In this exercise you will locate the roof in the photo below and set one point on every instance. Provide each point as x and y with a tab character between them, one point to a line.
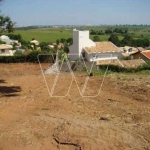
5	46
35	42
140	49
134	63
146	53
130	53
102	47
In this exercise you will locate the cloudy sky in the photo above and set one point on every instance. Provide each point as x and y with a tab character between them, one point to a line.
77	12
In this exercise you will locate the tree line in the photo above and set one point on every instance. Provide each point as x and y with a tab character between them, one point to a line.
129	40
109	31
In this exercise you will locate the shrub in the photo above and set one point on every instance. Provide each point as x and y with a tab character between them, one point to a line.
115	68
31	57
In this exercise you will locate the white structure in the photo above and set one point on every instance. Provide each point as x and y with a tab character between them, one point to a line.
5	39
35	42
85	48
6	50
80	40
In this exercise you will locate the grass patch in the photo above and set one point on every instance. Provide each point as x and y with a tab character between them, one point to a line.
44	35
51	35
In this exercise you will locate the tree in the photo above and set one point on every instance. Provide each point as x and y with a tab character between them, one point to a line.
142	42
70	41
57	41
15	37
62	40
6	25
114	39
66	49
96	38
127	40
93	32
146	42
108	31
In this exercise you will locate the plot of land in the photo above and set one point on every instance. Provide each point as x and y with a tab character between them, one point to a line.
119	118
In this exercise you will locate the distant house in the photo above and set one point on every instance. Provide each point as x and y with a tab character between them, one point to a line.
84	47
145	55
50	46
35	42
60	45
6	50
127	50
5	39
17	45
141	49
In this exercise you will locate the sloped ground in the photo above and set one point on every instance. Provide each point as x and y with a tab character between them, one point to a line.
119	118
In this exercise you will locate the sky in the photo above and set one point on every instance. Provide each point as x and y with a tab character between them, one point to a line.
77	12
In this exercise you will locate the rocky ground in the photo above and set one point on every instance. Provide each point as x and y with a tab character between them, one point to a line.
30	119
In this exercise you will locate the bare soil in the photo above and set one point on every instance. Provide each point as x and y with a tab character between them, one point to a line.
30	119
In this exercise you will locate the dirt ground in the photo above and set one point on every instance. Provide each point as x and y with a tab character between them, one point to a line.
30	119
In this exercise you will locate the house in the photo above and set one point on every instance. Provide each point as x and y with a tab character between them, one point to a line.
50	46
17	45
102	51
6	50
145	55
35	42
84	47
141	49
127	50
60	45
5	39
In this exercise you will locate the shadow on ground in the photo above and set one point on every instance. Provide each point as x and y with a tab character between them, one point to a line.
2	81
9	91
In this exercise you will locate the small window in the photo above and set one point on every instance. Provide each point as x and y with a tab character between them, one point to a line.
2	50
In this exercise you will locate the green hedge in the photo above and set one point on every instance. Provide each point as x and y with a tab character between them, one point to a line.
115	68
12	59
32	57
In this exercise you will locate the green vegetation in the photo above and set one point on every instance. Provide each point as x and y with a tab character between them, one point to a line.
6	25
96	38
31	57
51	35
114	69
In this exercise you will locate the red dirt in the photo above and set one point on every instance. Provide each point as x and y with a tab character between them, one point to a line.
118	119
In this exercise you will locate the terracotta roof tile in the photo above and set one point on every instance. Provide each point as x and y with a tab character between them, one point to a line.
146	53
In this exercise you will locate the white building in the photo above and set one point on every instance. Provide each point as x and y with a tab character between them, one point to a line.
84	47
35	42
6	50
5	39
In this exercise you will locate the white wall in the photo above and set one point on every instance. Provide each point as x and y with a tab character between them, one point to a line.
80	40
7	53
102	56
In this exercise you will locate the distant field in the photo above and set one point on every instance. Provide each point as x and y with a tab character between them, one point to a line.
44	35
52	34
